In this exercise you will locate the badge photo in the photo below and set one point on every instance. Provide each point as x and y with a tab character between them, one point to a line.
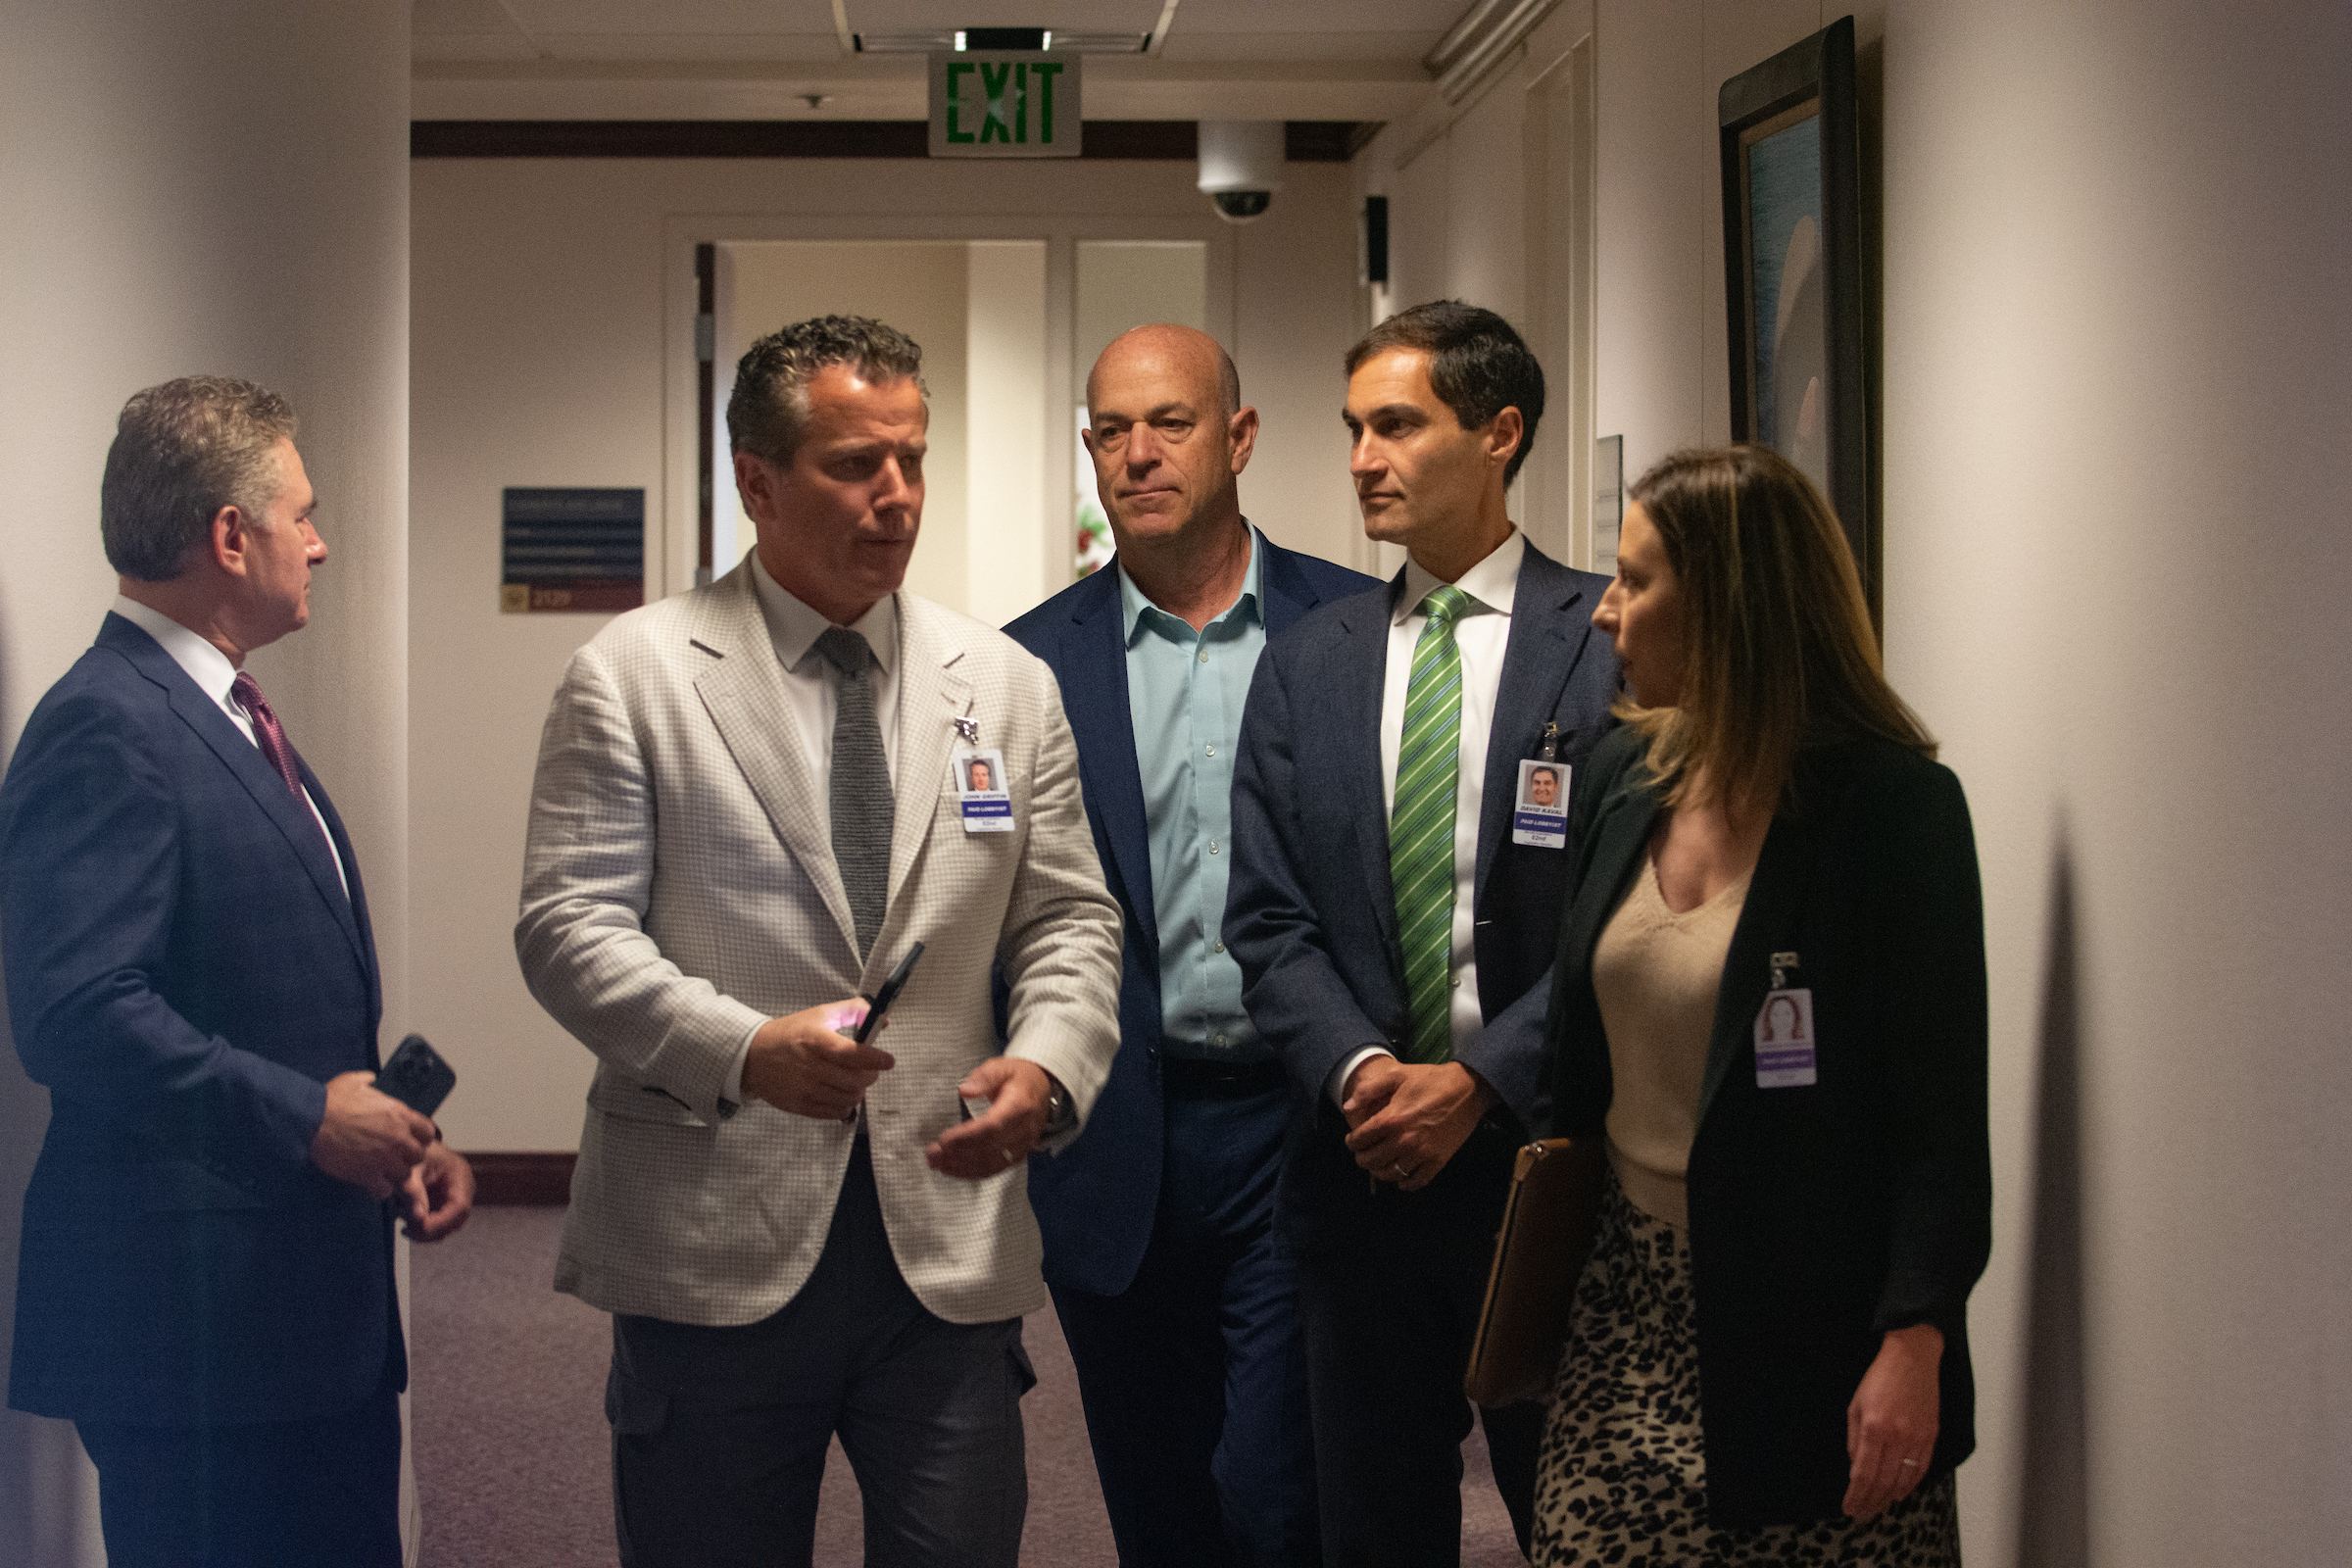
981	798
1540	811
1784	1042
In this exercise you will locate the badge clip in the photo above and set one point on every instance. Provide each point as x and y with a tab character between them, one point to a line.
1781	963
968	729
1549	750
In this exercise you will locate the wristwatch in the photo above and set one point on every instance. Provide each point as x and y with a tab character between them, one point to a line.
1060	1115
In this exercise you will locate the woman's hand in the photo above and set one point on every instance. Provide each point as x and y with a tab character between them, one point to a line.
1890	1427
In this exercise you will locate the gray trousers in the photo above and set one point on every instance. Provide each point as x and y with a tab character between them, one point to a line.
719	1433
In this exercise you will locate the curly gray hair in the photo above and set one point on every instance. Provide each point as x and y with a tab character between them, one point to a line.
767	413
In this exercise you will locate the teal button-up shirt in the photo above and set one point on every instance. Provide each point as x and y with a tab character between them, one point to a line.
1185	690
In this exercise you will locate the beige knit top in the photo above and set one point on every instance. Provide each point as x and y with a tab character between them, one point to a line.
1657	975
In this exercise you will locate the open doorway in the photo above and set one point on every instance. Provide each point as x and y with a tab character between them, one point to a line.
1010	513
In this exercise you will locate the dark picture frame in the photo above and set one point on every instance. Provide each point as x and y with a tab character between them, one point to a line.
1793	272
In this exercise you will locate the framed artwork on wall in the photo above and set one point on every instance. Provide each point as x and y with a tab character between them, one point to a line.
1792	271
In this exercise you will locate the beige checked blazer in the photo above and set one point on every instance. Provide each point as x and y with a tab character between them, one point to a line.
680	888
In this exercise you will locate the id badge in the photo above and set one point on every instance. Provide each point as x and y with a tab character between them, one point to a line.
1784	1055
1540	811
981	798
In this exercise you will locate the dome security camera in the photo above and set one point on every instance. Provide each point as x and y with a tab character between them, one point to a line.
1241	165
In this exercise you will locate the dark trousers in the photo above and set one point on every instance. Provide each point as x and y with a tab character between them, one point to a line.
1195	1377
1390	1286
719	1433
261	1494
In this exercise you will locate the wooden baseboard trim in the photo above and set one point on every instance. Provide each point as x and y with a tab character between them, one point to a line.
522	1181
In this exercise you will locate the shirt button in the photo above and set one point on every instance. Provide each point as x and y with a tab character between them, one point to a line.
1456	982
1212	846
1212	750
1220	947
1205	656
1221	1040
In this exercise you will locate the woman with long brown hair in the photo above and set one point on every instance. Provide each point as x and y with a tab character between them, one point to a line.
1770	1001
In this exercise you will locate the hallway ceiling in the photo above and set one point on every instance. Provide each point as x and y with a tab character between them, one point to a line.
765	59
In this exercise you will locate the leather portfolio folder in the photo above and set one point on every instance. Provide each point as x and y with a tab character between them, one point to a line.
1547	1228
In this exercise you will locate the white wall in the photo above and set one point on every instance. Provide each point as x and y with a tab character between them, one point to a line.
203	189
552	327
2116	359
1006	539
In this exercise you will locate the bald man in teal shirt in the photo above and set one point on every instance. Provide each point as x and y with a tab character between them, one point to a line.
1173	1290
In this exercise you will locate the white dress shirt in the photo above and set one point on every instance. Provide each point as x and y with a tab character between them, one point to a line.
793	630
1481	636
209	667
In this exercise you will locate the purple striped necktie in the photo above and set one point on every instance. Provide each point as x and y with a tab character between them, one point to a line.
269	734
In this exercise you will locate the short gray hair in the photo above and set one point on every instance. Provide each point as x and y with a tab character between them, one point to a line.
767	413
182	451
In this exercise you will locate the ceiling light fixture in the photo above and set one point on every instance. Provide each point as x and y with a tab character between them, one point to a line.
963	41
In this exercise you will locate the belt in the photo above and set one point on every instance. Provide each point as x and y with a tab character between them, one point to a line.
1195	1076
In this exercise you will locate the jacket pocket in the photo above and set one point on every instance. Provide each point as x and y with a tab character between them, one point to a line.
632	1101
179	1186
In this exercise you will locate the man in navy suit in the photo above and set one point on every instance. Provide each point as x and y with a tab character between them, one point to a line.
1172	1289
1394	930
205	1286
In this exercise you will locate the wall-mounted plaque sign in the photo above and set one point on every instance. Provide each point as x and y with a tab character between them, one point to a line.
1005	104
578	550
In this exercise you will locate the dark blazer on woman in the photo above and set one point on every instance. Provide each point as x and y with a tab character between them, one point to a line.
1821	1216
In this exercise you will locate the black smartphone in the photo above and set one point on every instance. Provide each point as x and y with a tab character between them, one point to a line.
418	1077
889	993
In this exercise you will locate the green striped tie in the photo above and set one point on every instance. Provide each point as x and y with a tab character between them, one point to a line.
1421	826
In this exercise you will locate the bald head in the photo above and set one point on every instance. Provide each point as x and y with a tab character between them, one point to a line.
1169	438
1192	357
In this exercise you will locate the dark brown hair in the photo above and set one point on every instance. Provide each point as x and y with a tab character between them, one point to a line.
1778	646
1477	365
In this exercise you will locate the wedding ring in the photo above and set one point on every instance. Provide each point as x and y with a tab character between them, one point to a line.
1911	1464
1007	1154
1400	1173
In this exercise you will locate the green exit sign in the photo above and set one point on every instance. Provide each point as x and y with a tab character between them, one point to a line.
987	104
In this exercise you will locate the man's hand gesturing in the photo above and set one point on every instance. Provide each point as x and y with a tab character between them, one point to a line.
806	1064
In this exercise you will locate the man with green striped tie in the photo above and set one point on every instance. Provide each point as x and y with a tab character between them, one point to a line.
1394	932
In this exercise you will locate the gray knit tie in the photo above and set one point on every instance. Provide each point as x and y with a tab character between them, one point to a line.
862	812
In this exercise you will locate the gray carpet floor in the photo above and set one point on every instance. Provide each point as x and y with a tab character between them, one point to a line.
512	1453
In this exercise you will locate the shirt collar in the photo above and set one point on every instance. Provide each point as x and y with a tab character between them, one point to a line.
207	666
794	627
1494	582
1133	603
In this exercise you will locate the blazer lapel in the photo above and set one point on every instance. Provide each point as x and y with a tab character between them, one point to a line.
743	692
1363	661
1774	896
1550	629
362	931
1094	698
1283	589
1620	845
291	818
932	694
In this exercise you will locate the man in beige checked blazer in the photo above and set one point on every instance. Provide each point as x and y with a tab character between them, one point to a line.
745	813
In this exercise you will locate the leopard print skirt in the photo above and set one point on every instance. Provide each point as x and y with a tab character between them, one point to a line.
1622	1479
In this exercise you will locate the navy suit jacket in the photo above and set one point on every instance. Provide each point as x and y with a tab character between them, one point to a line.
184	974
1094	1201
1311	915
